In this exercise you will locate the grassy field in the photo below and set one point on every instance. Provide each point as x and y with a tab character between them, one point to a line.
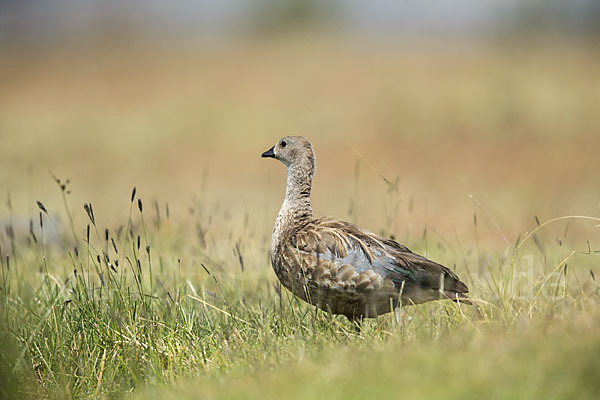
482	157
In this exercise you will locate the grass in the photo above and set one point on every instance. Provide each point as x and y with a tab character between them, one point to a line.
468	154
466	366
145	306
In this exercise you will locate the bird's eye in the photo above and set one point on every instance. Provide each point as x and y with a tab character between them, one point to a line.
283	143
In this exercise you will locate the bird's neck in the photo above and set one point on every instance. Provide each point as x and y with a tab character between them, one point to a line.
299	184
296	208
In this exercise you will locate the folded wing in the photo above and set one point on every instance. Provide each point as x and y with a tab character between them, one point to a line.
344	244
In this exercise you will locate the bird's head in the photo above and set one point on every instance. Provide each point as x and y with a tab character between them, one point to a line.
292	150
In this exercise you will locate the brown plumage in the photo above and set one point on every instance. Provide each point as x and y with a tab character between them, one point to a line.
339	266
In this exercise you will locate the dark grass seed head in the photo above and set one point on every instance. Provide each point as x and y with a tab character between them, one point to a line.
31	232
206	269
90	212
140	205
10	231
41	207
157	209
133	194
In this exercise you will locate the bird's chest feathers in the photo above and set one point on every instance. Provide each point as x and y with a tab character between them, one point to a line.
283	225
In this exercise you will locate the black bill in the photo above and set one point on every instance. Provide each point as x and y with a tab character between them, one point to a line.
269	153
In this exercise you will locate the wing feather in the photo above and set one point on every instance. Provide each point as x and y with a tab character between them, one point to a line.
345	243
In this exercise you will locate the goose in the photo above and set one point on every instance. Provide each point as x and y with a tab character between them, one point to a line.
339	266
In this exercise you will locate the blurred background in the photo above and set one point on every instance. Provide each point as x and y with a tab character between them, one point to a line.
421	113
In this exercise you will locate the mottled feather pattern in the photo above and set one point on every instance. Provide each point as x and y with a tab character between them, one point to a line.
339	266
